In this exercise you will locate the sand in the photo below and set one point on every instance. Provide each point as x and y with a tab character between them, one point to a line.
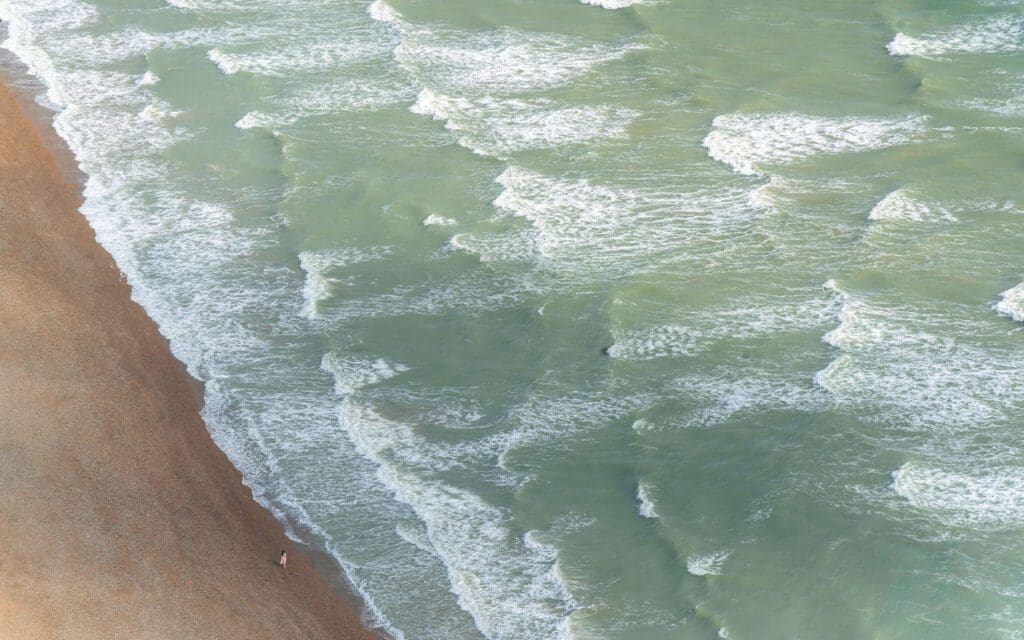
119	517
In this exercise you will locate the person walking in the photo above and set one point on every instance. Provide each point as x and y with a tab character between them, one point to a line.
283	560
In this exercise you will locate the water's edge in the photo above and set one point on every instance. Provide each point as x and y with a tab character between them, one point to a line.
27	88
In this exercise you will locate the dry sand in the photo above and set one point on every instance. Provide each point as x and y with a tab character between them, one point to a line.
119	517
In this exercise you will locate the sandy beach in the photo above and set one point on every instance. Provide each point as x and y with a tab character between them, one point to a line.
119	517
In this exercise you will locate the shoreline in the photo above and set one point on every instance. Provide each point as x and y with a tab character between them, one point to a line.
121	515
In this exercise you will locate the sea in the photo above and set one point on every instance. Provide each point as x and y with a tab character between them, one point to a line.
599	319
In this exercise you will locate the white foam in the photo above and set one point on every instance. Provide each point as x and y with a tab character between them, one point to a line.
497	62
383	12
227	63
262	120
345	94
318	56
494	127
990	499
415	534
763	196
316	264
902	205
657	342
728	395
158	112
863	327
435	220
512	588
1002	34
745	142
641	424
749	317
855	325
646	507
192	268
615	4
149	79
586	230
352	373
1012	303
924	368
317	287
760	515
709	564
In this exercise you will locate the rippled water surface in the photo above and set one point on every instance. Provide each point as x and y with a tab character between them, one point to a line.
588	319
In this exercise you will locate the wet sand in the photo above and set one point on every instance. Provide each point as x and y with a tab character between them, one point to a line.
119	517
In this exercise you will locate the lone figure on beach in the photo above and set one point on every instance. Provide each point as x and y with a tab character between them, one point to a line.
283	560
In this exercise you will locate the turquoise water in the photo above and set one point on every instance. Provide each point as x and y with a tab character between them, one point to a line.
559	319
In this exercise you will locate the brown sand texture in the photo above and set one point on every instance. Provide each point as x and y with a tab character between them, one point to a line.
119	517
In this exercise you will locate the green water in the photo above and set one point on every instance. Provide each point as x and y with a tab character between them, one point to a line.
555	320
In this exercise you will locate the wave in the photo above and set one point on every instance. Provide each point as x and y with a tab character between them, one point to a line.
747	141
858	323
512	590
582	229
989	499
499	128
261	120
709	564
344	95
646	506
751	316
1012	303
615	4
919	367
149	79
310	57
228	312
728	395
435	220
901	205
1004	34
316	265
352	373
158	112
493	62
381	11
657	342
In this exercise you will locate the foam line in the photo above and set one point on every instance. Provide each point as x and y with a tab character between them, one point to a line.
747	142
1012	303
1002	34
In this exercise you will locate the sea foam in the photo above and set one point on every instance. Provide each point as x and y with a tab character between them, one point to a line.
746	142
905	362
646	506
1003	34
500	128
310	57
316	265
615	4
709	564
1012	303
990	499
512	590
498	62
582	228
902	205
381	11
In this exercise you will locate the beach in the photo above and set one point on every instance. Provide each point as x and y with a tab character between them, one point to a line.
533	319
119	516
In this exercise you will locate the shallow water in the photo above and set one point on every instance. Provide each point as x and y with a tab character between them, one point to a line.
598	319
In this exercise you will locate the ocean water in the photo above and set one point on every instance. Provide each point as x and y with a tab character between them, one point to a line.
590	319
